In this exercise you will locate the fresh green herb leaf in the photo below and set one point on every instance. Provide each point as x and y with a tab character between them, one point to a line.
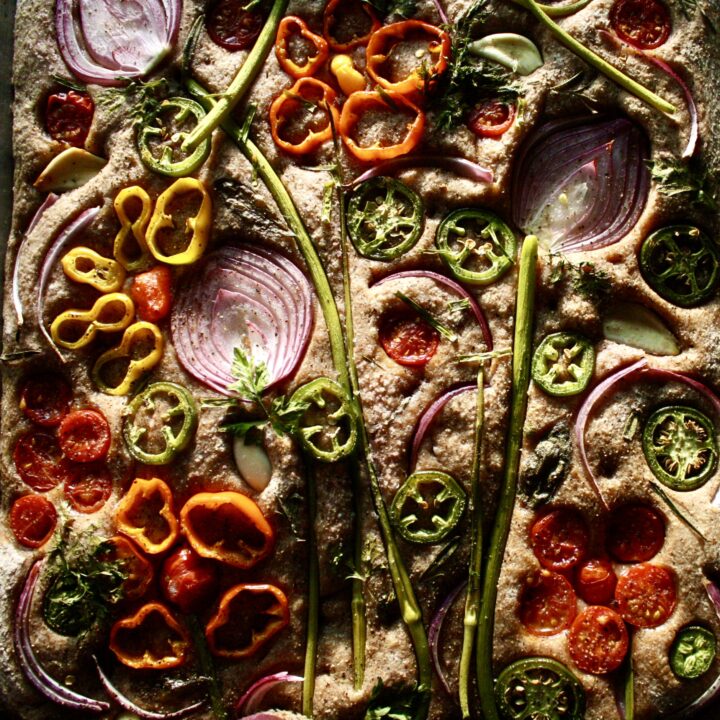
385	8
291	508
687	7
688	179
68	83
388	703
437	567
242	427
251	377
430	319
584	277
547	467
144	97
675	510
484	357
458	306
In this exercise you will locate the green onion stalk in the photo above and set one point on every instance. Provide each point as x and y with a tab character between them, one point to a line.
313	610
522	353
207	667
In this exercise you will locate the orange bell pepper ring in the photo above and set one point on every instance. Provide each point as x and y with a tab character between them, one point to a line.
306	93
227	526
330	24
145	514
361	102
138	570
248	616
293	25
151	639
383	47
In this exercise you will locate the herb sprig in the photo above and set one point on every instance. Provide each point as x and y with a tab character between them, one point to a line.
689	180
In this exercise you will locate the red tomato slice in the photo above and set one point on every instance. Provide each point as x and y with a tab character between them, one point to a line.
231	26
68	116
90	487
595	581
84	435
598	640
646	595
635	533
40	462
642	23
45	399
33	519
491	118
138	568
559	539
151	292
407	338
547	603
188	580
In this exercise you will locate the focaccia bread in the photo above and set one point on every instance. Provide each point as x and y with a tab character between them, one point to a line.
360	360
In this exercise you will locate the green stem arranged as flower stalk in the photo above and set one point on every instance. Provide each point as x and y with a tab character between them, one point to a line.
313	609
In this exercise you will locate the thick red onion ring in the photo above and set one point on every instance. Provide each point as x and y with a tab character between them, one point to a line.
436	629
607	156
255	694
242	296
460	166
34	672
454	287
110	41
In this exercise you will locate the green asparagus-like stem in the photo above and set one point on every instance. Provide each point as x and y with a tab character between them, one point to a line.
241	82
522	352
313	606
628	689
560	10
207	668
472	598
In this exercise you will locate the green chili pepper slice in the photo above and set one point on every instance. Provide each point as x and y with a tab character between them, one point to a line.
680	447
681	264
477	245
327	426
563	364
692	652
427	507
159	423
162	134
539	687
384	218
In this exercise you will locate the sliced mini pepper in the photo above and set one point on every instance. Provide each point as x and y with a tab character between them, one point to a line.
330	22
84	265
293	25
361	102
248	616
146	515
137	258
348	77
74	329
151	639
383	45
198	227
227	526
306	95
139	351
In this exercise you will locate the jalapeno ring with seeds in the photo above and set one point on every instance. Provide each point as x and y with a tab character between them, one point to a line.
563	364
692	652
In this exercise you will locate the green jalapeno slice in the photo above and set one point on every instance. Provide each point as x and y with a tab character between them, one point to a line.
681	264
159	423
563	364
384	218
161	136
427	507
692	652
477	245
539	687
327	427
680	447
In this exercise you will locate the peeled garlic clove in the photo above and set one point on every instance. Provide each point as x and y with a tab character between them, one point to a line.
634	325
252	462
71	169
515	52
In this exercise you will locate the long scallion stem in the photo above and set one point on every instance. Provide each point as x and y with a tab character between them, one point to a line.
207	668
522	353
313	603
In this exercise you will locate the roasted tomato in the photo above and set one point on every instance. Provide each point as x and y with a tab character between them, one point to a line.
45	399
491	118
559	539
547	603
595	581
598	640
152	293
89	488
40	462
646	595
32	519
231	26
187	580
407	338
68	116
642	23
636	533
84	435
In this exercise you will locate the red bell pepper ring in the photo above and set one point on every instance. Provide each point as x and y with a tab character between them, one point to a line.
293	25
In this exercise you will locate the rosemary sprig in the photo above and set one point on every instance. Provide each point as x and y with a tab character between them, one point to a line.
675	510
428	317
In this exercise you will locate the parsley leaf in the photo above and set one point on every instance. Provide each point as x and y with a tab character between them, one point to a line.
676	178
584	277
145	97
394	703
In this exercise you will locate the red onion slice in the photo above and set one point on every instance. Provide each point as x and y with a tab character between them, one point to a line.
33	671
453	287
255	694
243	296
436	629
460	166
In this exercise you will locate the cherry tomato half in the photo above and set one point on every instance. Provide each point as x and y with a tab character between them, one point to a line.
68	116
559	539
646	595
151	292
188	580
84	435
636	533
642	23
138	568
33	519
547	603
595	581
598	640
407	338
231	26
491	118
40	462
89	488
45	399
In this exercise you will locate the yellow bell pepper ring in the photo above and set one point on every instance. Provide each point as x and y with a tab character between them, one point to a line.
137	258
74	329
198	227
84	265
139	351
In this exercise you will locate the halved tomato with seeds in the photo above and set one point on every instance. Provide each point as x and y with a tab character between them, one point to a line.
598	640
33	519
231	26
84	435
547	603
407	338
644	24
636	533
491	118
89	488
646	596
68	116
559	539
45	399
40	462
595	581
